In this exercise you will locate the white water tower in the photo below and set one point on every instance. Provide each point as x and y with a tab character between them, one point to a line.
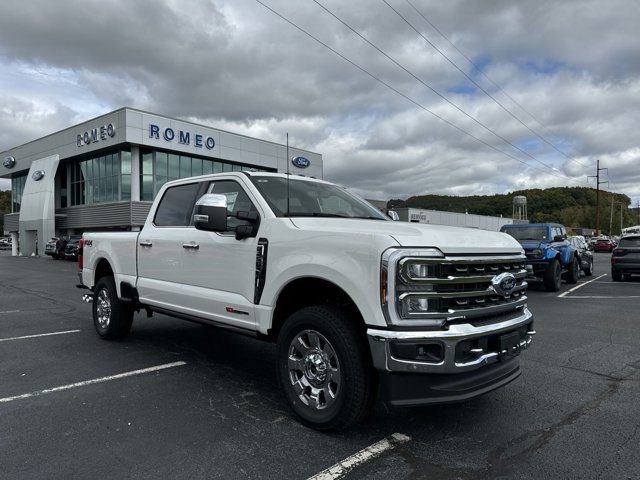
519	207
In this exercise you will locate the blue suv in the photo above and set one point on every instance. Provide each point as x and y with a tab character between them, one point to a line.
549	255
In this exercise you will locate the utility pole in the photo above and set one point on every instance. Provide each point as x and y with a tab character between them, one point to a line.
598	183
621	226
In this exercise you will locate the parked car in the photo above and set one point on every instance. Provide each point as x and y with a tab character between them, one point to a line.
585	256
356	303
5	244
549	255
603	245
625	259
50	247
72	248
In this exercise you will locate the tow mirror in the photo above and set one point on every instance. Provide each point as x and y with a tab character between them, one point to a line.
393	215
211	213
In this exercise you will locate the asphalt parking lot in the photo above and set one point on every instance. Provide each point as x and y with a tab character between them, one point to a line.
198	402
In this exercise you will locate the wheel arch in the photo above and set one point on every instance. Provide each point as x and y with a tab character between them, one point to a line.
306	291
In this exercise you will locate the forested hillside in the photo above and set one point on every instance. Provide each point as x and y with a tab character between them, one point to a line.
5	207
571	206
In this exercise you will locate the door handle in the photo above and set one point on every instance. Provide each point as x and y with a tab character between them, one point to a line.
192	246
145	244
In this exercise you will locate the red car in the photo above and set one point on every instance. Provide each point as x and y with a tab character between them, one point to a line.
603	245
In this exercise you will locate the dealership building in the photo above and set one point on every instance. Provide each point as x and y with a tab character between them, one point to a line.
104	173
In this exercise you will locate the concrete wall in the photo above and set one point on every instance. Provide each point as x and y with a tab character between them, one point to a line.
453	219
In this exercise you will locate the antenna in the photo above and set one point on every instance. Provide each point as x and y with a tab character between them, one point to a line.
288	174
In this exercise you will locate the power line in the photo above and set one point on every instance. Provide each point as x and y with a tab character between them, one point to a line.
419	105
513	115
457	107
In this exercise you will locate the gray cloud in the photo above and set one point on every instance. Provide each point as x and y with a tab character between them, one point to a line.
573	65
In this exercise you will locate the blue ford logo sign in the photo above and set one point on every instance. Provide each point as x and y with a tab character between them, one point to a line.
38	175
9	162
301	162
504	284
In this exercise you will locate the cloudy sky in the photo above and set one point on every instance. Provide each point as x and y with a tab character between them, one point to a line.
564	77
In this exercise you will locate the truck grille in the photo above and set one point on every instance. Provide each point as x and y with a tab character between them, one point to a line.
461	287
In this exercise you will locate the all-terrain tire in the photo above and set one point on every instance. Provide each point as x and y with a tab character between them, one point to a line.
328	339
553	276
112	318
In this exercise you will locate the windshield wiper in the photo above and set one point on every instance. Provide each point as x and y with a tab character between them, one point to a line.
315	214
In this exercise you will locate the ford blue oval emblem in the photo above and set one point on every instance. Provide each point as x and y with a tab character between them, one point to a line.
301	162
38	175
9	162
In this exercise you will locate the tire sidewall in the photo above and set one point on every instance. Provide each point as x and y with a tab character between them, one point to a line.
332	416
120	321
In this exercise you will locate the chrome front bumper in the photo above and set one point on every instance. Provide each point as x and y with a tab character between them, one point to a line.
380	342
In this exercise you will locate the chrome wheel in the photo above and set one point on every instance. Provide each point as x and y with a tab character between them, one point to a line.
314	369
103	308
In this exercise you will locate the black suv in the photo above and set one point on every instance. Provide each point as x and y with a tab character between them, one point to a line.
585	256
625	259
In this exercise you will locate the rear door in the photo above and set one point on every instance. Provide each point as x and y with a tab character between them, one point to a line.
162	278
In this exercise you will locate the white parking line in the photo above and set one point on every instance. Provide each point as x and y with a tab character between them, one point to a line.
604	296
37	335
340	469
9	311
92	381
581	285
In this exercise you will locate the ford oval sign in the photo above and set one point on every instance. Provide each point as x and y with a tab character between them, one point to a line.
38	175
504	284
9	162
301	162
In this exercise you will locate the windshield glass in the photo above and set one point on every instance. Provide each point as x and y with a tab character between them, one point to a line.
633	242
528	233
313	199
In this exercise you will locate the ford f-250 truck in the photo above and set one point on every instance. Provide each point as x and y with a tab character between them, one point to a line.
357	304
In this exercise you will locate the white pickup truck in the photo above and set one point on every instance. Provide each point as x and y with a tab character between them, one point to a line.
357	304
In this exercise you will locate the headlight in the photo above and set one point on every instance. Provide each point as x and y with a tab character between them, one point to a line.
405	281
411	305
537	253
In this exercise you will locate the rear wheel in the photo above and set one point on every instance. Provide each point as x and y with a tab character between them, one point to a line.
616	275
553	276
324	368
573	273
112	318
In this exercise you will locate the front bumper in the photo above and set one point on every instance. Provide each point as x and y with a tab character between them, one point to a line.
471	362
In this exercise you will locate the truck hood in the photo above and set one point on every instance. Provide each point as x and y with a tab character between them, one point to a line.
448	239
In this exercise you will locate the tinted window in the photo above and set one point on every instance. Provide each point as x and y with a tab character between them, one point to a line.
630	242
237	200
176	206
526	233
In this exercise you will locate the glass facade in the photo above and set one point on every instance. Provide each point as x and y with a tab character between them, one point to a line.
17	188
158	167
101	179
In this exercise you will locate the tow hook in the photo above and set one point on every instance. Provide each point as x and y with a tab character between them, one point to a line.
87	297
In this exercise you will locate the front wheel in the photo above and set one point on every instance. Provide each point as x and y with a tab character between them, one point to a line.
573	273
588	271
324	368
553	276
112	318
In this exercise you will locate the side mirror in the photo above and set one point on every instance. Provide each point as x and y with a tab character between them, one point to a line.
393	215
559	238
211	213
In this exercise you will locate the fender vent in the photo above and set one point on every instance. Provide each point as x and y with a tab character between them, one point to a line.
261	268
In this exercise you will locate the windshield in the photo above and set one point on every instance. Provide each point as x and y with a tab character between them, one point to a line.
528	233
313	199
633	242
